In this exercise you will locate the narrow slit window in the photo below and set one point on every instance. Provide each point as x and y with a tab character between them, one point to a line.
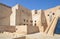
24	20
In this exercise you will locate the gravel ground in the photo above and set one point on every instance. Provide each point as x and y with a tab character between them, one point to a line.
7	35
29	36
42	36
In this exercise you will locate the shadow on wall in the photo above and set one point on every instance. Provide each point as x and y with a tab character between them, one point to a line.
43	21
7	29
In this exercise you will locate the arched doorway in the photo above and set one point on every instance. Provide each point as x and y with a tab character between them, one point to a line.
57	29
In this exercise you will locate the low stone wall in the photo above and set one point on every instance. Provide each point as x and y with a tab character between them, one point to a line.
21	29
24	29
32	29
7	29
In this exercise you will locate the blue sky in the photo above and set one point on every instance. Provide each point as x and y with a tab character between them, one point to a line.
33	4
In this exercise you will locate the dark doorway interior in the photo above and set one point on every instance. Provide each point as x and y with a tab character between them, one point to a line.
57	29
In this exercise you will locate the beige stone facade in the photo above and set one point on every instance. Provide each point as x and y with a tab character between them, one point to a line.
19	19
27	21
20	16
5	12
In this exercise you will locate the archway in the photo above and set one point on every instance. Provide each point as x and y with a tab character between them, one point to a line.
57	29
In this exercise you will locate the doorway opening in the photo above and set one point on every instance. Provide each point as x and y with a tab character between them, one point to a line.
57	29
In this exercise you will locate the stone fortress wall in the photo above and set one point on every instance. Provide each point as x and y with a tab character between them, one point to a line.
25	21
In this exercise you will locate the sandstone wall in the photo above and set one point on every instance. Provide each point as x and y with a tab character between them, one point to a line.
24	29
23	16
7	29
36	17
20	16
5	12
32	29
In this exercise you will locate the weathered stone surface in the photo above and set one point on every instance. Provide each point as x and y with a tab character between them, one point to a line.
7	29
24	29
43	21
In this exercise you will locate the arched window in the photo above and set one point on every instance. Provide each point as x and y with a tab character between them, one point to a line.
35	24
23	24
24	20
48	14
35	20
